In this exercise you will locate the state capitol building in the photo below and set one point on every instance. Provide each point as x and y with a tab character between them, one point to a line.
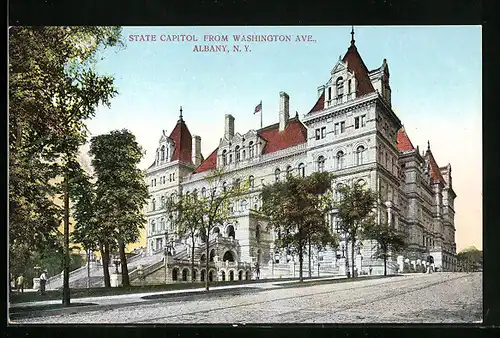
352	131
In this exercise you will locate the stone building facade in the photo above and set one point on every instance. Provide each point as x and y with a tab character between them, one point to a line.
352	131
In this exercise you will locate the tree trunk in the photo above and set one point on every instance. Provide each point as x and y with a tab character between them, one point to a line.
207	260
192	258
352	256
105	264
301	260
88	269
123	260
309	255
66	292
385	264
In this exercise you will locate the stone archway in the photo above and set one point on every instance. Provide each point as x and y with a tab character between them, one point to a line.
223	275
231	275
202	275
212	255
175	274
230	231
228	256
185	273
240	275
211	276
247	275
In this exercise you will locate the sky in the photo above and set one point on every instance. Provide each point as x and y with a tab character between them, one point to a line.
435	78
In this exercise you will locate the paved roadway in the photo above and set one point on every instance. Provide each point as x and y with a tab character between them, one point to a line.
413	298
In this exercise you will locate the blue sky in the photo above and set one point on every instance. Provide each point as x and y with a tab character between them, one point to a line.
435	77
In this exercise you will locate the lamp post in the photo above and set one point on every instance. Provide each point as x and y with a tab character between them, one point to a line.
116	261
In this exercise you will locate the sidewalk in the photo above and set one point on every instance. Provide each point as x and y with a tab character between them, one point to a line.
131	298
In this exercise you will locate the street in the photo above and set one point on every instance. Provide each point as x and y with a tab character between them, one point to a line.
413	298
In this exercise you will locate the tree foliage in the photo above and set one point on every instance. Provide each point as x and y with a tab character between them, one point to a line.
53	89
355	210
121	189
296	208
388	239
470	260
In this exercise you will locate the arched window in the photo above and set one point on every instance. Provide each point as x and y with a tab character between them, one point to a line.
204	192
162	224
349	86
361	182
340	87
230	158
243	154
240	275
154	204
321	164
360	154
202	276
277	173
288	171
243	204
251	151
203	258
231	275
228	256
193	277
338	194
184	275
237	153
163	202
175	272
230	231
251	181
224	186
223	275
329	93
257	232
211	275
162	152
340	160
212	255
153	227
224	157
302	170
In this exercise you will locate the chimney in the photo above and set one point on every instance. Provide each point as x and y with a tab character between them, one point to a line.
197	150
284	113
229	127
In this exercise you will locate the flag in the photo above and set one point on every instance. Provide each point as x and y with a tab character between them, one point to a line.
258	108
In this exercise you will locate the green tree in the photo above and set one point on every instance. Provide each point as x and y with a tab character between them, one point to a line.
296	209
188	216
121	189
470	259
388	239
53	90
355	210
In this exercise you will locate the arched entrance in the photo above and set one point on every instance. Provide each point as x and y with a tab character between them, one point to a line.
175	273
230	231
247	275
211	276
231	275
228	256
212	255
193	277
240	275
185	275
223	275
202	276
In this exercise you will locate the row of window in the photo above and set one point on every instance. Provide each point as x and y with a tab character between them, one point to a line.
163	153
339	84
161	226
239	154
339	127
339	159
163	179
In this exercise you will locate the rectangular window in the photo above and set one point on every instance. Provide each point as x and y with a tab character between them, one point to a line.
317	134
323	132
363	120
342	127
336	129
356	123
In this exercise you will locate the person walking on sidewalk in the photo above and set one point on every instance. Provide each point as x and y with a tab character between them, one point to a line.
20	283
43	281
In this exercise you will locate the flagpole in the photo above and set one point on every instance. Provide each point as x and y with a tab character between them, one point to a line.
260	114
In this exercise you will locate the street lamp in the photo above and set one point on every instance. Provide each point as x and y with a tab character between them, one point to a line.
116	261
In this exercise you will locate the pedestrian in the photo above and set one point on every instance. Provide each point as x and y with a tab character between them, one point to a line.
43	281
20	283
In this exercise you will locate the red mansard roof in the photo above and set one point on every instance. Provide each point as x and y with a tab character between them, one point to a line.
355	64
183	142
320	104
436	175
295	133
404	143
208	164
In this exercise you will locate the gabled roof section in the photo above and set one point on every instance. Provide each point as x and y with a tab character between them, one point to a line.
355	64
295	133
183	142
320	104
209	164
435	173
404	143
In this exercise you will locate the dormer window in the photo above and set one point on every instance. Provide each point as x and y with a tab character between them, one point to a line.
162	152
224	158
237	153
340	89
329	93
